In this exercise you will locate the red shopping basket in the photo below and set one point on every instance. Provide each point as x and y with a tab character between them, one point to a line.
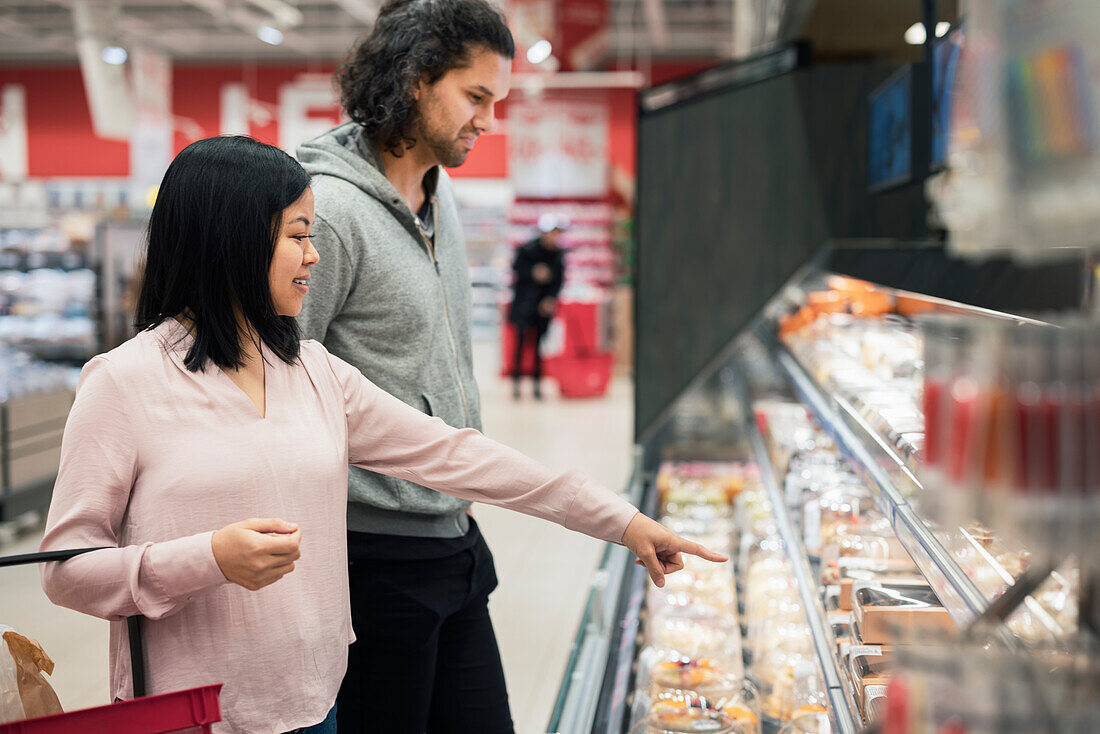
192	710
583	377
585	371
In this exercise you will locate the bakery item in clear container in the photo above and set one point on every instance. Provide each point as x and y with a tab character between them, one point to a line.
790	684
776	634
684	713
704	676
743	707
695	633
891	614
810	722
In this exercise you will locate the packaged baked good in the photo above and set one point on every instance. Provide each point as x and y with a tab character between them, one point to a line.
716	531
774	608
872	541
695	585
662	675
704	676
816	722
793	687
682	713
696	632
855	573
754	512
771	635
661	670
848	504
743	707
706	482
889	614
870	675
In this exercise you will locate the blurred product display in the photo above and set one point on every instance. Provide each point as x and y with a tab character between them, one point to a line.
47	294
63	286
34	403
1022	152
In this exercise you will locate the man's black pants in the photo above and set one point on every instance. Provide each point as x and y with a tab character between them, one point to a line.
539	327
425	657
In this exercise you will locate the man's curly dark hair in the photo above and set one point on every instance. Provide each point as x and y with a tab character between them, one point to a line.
413	39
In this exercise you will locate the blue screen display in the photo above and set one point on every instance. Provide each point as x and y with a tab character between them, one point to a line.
891	132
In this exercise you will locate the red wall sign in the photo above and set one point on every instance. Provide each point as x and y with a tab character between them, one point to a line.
61	142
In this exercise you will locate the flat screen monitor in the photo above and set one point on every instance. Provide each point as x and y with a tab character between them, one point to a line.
890	136
945	65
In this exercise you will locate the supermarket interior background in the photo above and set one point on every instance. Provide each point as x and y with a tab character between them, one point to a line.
830	307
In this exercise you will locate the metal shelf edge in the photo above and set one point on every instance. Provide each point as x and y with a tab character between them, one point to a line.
929	554
824	643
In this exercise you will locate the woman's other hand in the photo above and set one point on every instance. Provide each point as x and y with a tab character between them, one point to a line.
659	549
257	552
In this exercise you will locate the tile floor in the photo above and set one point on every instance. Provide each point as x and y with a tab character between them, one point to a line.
544	570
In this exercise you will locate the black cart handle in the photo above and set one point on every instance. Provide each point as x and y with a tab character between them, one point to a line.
133	624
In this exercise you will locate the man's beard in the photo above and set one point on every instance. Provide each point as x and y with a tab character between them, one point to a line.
448	151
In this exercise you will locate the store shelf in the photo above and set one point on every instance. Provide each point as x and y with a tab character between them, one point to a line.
840	699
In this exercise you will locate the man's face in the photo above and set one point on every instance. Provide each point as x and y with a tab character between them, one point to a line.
459	107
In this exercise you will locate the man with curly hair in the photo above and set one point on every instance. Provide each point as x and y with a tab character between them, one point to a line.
391	295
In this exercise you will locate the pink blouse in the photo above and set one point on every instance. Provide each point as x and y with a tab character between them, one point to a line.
155	458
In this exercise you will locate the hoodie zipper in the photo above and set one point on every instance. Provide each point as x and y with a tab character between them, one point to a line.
446	307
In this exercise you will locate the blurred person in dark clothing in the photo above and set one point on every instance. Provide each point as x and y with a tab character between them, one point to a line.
539	268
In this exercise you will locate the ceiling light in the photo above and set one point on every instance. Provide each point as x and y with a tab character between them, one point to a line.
540	51
942	28
113	55
270	35
916	35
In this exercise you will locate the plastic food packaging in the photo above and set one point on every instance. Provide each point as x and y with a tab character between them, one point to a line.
886	615
869	545
696	584
661	671
701	481
809	723
683	712
895	573
870	676
697	632
743	707
846	505
791	685
704	686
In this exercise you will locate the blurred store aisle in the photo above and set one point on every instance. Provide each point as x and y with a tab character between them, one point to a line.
544	570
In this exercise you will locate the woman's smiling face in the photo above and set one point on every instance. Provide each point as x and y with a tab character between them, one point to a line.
294	255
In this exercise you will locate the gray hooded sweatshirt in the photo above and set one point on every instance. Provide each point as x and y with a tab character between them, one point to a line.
386	300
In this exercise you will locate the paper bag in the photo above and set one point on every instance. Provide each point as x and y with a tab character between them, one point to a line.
24	691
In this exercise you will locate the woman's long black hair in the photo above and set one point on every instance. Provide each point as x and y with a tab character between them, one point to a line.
211	237
410	41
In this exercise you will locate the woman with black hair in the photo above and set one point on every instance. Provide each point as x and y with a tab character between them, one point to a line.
216	412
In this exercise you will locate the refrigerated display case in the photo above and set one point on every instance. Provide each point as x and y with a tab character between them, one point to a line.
784	316
772	400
